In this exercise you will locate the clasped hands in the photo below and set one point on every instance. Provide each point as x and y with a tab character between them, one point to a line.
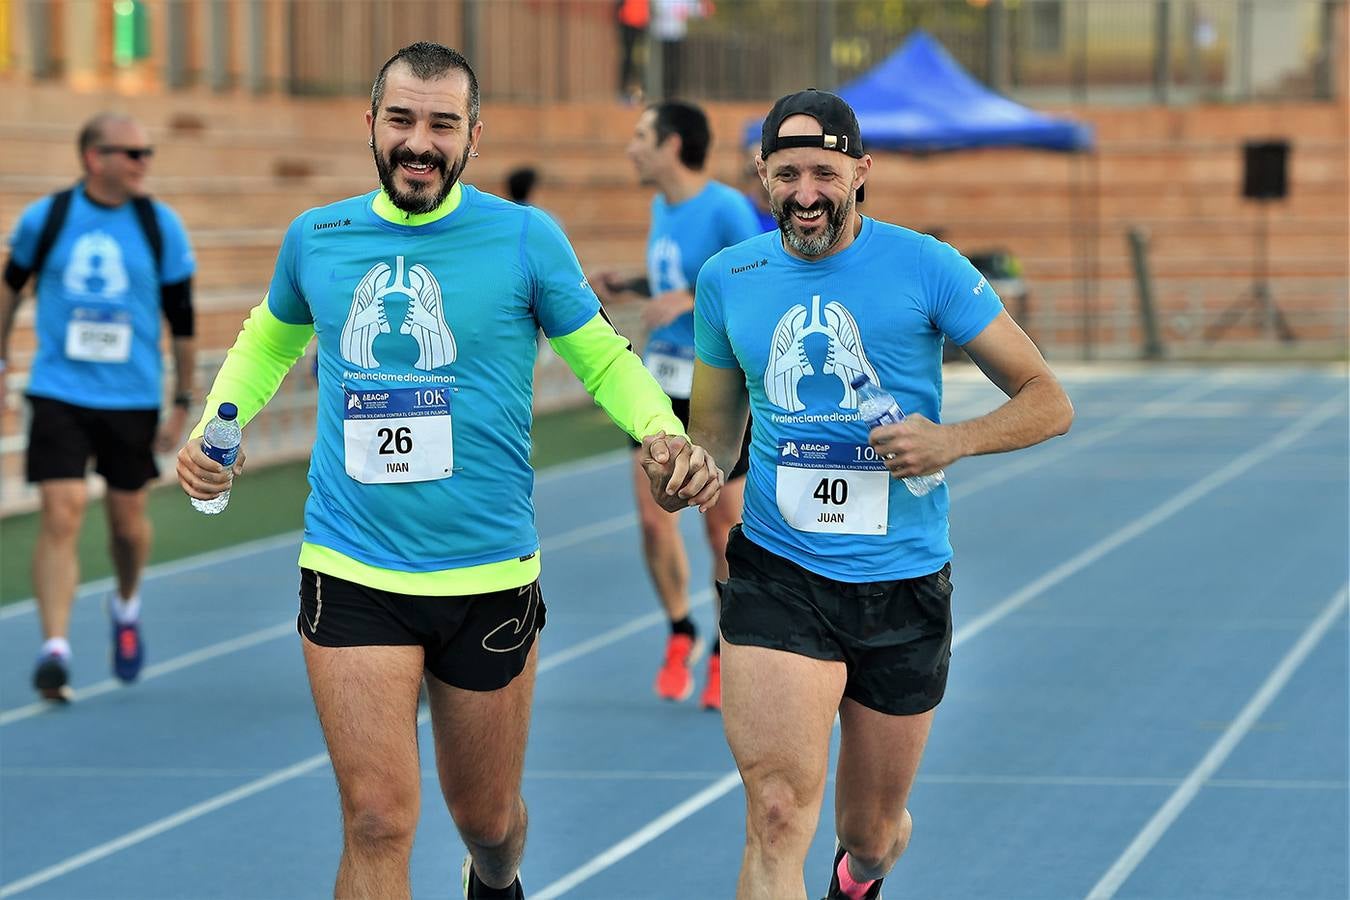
681	473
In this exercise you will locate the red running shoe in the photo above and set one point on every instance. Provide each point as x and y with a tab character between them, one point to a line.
675	679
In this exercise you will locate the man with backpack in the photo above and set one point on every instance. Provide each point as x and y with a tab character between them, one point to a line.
107	262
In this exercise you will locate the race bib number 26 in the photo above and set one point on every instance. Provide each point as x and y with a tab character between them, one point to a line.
399	435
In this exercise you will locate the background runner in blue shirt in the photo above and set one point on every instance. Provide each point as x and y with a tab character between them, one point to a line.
839	598
109	264
420	558
692	218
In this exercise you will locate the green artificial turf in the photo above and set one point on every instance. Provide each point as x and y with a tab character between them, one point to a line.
269	500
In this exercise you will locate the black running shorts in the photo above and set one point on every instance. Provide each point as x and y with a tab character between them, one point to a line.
62	437
681	407
477	642
895	637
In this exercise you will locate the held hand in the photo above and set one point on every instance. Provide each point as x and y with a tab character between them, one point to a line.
681	474
915	446
659	452
202	477
171	432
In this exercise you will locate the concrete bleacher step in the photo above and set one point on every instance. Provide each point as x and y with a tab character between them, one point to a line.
238	168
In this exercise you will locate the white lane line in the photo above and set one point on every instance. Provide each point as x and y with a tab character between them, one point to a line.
142	834
1176	804
253	638
243	642
243	792
644	835
588	532
1016	601
163	570
1013	467
1157	515
228	554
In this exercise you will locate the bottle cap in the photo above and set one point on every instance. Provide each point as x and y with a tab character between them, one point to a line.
228	411
860	381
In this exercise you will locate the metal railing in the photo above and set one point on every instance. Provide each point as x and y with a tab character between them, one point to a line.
1084	51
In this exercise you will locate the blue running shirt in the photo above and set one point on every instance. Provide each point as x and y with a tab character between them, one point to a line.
682	237
801	331
98	313
427	338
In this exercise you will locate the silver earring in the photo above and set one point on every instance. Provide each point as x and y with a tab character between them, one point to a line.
473	154
371	143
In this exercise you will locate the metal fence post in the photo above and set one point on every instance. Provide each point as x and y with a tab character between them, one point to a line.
218	45
1243	50
1326	55
1143	281
40	38
996	45
1162	50
175	51
825	73
256	51
469	25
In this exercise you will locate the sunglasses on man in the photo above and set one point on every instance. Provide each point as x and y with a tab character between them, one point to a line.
132	153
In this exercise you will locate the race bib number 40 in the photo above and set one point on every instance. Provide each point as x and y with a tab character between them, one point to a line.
399	435
672	366
99	335
832	488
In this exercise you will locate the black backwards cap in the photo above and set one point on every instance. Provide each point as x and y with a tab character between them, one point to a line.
837	122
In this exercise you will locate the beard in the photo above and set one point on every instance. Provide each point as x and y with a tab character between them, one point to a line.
420	198
833	225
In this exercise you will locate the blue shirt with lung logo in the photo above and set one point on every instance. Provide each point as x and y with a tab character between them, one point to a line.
101	270
801	331
682	237
447	310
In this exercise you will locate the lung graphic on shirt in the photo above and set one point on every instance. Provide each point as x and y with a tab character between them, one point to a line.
665	266
425	319
95	268
845	357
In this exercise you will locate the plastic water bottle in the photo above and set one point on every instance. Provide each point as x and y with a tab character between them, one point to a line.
221	443
879	408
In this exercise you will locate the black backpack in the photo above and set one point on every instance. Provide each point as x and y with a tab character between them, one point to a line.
60	208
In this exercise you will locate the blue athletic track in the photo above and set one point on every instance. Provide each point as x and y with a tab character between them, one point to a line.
1148	695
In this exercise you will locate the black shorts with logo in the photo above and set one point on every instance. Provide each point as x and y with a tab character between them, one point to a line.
477	642
895	637
62	437
681	407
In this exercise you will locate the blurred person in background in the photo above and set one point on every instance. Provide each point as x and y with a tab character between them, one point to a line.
108	264
633	17
520	186
839	602
420	560
753	187
693	217
670	26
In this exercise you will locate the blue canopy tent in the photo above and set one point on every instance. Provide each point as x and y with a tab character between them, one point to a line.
920	100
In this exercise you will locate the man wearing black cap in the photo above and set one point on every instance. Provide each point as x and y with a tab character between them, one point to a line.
839	596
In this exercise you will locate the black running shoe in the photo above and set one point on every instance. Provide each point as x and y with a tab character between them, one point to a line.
51	678
873	893
475	889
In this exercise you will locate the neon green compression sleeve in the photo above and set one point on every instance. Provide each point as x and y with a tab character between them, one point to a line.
612	374
256	365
